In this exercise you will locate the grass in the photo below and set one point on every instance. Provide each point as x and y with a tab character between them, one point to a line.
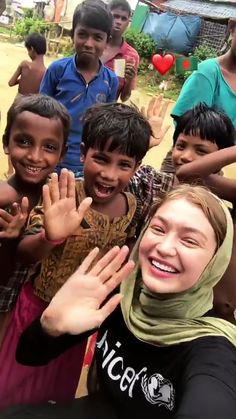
149	81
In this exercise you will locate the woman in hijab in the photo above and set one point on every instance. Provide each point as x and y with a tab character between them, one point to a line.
161	352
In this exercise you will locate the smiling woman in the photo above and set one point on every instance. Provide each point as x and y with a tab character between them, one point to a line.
161	354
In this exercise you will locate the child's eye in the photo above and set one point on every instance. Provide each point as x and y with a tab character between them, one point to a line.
125	165
50	147
180	146
100	159
23	142
202	152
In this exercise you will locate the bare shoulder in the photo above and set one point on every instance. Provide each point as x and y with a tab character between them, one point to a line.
8	194
25	64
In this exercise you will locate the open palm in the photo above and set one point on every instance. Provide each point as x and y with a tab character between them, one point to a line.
78	305
61	216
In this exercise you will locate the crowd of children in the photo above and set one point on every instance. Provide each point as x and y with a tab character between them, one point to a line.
79	192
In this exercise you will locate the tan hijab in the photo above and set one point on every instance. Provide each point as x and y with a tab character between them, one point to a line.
175	318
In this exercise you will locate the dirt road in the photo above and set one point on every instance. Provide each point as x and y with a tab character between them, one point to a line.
12	54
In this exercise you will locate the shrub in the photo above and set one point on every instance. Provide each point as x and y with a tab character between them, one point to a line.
144	44
30	24
203	52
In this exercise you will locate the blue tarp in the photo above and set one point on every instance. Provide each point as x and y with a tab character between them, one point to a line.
172	32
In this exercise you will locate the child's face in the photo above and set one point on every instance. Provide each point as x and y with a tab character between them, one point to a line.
35	146
120	21
174	251
189	148
106	173
89	43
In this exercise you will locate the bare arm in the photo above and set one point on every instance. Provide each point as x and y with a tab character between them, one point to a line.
205	166
15	78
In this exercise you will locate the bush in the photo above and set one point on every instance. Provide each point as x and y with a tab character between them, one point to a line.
203	52
144	44
68	50
28	25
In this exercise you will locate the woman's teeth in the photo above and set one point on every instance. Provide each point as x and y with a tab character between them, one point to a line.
164	268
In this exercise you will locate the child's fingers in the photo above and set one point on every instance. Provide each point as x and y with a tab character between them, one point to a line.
71	185
150	107
3	224
54	188
143	111
46	198
63	183
164	109
83	208
25	206
5	216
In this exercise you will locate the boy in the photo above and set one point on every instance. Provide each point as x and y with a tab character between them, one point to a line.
81	80
117	48
34	138
29	75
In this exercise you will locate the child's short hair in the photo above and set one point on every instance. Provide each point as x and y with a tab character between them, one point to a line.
120	4
207	123
41	105
125	127
94	14
37	41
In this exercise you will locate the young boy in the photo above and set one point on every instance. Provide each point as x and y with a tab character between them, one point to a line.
29	74
118	49
35	137
82	80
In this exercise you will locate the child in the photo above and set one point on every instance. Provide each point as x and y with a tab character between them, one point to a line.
34	138
225	291
160	352
29	75
117	48
81	80
110	157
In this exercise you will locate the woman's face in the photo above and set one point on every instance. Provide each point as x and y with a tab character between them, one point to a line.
176	247
233	44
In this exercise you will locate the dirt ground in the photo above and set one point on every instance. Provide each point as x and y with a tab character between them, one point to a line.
12	54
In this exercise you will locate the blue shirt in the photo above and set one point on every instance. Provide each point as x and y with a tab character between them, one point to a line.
64	83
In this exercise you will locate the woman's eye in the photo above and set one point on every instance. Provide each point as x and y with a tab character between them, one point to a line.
158	229
190	241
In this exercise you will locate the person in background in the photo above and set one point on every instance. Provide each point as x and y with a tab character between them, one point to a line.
118	49
81	80
214	83
29	74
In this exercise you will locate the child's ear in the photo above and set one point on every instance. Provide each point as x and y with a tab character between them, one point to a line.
6	149
82	152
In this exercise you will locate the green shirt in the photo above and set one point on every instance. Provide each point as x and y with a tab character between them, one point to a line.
208	85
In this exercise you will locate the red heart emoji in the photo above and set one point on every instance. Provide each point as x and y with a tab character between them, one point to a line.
163	63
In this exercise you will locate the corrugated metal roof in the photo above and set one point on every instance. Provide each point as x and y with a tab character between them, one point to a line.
205	9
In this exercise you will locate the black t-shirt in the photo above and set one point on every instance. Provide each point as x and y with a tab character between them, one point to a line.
191	380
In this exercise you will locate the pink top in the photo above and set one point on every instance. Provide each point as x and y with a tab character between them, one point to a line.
126	52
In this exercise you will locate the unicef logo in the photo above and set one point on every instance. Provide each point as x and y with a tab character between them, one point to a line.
158	390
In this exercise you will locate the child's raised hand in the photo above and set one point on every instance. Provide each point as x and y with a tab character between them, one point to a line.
61	217
12	224
78	305
155	113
